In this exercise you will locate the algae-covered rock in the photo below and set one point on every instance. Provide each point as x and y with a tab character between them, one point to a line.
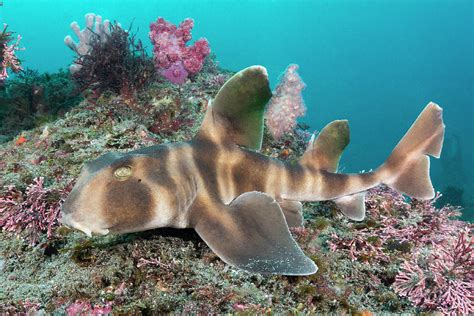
168	270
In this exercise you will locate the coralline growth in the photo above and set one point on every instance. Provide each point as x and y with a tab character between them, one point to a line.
173	59
436	251
8	58
287	103
443	280
34	212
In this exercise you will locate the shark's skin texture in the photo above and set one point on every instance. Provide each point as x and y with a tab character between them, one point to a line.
239	201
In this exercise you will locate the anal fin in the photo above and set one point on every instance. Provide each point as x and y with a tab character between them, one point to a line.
353	206
251	233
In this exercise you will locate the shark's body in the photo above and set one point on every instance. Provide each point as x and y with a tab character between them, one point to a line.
238	200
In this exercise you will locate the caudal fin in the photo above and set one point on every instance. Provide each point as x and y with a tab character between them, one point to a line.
407	168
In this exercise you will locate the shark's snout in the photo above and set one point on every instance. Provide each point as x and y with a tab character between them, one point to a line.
68	220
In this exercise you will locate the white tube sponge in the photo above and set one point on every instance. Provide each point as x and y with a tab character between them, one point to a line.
94	27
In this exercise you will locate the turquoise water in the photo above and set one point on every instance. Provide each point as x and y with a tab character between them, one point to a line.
376	63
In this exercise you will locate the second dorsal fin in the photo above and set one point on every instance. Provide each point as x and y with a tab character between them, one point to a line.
236	114
325	151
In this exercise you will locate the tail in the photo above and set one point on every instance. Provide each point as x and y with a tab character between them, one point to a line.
407	168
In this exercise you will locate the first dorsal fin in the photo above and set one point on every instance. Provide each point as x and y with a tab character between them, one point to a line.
236	114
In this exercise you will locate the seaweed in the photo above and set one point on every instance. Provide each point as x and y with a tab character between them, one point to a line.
118	64
31	98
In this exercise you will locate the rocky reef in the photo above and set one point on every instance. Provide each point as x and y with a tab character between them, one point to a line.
406	256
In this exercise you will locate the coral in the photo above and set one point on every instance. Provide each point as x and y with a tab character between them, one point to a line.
8	58
364	247
176	73
33	212
287	103
173	59
23	307
118	64
94	29
394	223
166	123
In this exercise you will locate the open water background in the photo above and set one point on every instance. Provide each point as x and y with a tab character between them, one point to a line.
376	63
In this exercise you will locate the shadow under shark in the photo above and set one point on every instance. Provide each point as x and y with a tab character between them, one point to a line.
239	201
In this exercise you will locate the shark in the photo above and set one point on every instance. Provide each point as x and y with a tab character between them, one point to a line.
239	201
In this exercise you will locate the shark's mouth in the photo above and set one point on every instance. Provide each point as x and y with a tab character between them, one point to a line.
67	221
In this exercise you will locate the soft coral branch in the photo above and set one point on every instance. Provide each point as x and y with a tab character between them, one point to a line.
287	103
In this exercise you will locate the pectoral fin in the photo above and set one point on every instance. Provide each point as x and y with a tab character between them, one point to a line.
251	233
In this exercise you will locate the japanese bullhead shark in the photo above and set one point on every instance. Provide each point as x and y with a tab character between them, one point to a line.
240	202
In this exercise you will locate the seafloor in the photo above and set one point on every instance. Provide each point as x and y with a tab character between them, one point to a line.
168	270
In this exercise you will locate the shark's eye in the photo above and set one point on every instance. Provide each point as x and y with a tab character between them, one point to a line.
123	173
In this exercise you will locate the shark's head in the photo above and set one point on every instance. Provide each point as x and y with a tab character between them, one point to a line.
118	193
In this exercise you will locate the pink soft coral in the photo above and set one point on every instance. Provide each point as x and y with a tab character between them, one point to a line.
173	59
287	104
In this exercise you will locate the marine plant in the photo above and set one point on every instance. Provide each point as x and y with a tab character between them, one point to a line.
435	249
173	59
32	212
31	98
115	61
443	279
85	308
8	58
286	104
94	28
